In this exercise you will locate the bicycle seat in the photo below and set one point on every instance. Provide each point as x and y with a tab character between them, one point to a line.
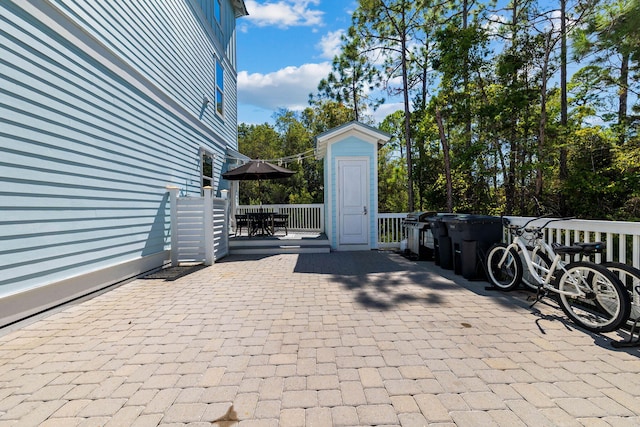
580	248
592	248
566	250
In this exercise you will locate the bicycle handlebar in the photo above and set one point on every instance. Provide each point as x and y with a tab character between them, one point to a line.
519	229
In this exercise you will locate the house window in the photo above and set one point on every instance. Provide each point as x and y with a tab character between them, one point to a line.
207	169
219	88
217	11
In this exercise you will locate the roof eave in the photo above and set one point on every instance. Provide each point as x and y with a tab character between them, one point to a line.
367	131
239	8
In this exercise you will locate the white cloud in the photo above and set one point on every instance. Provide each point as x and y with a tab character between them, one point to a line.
286	88
262	95
385	109
284	13
494	23
330	44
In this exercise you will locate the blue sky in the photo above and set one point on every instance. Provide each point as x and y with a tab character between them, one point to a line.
285	47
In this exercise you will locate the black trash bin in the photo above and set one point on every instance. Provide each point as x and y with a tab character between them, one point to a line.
426	244
442	254
471	237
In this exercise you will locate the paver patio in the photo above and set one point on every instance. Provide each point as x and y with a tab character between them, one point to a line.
363	338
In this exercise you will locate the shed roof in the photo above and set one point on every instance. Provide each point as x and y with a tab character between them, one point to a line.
362	131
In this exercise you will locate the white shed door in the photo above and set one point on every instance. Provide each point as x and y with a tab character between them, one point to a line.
353	204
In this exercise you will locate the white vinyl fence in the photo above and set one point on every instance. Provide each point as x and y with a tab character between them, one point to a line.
220	229
303	217
390	230
199	228
622	238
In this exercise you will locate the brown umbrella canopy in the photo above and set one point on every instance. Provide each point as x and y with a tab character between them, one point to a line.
255	170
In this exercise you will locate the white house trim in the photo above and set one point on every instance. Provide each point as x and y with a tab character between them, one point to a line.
360	130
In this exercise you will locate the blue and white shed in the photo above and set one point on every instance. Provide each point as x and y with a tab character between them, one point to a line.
350	154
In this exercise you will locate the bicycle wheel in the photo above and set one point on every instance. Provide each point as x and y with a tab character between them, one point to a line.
593	297
507	276
541	264
630	278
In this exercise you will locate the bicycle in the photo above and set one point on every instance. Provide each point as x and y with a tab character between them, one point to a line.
629	276
589	294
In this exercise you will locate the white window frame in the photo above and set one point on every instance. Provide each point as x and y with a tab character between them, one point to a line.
219	92
206	154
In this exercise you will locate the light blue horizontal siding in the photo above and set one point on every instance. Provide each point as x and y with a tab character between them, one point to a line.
225	31
171	44
100	110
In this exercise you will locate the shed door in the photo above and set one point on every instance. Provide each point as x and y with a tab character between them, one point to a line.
353	203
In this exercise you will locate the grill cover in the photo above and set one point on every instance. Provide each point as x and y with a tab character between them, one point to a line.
418	217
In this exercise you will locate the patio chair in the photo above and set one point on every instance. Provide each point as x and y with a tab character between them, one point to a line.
241	221
281	221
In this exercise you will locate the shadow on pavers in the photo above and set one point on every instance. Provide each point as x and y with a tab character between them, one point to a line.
377	279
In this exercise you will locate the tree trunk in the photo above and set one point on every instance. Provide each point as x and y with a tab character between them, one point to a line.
467	96
447	160
510	181
354	91
470	191
623	99
543	116
563	172
407	120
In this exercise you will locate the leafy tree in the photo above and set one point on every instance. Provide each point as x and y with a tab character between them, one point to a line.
611	39
260	142
352	79
461	50
591	182
325	115
392	176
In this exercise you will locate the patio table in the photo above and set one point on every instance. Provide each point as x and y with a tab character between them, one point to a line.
260	223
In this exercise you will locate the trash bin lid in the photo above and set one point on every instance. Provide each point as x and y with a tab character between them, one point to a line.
439	217
474	219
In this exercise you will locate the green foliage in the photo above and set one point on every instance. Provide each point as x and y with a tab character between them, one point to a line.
392	179
591	183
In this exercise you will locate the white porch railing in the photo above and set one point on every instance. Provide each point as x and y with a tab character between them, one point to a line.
390	230
303	217
310	217
622	238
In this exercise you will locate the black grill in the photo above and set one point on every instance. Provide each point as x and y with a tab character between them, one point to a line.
418	217
416	229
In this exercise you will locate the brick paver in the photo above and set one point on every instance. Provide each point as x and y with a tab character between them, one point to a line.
362	338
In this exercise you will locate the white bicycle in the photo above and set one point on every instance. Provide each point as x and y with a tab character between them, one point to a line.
589	294
542	254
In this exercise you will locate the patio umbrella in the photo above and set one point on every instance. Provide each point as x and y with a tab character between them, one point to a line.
256	170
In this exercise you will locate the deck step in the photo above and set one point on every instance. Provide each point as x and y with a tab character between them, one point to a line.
280	249
292	243
233	243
